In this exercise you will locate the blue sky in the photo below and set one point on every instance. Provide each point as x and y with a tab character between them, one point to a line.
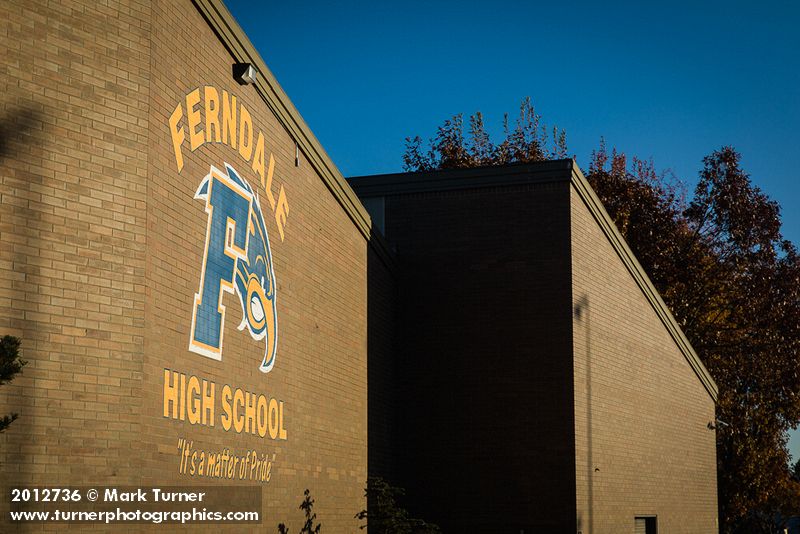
671	82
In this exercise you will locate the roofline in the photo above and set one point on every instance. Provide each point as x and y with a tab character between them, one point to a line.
453	179
598	211
267	87
564	170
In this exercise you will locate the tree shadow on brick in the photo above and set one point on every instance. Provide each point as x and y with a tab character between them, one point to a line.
21	130
307	506
19	126
581	313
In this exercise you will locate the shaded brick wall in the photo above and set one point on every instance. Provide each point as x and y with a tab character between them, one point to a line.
497	379
485	434
641	440
73	179
382	342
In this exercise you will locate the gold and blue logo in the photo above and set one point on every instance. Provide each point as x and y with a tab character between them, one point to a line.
237	259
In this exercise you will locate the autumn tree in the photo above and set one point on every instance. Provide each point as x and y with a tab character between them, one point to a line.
733	283
450	149
722	266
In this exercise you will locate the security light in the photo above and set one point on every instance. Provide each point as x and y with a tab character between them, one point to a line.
713	425
244	73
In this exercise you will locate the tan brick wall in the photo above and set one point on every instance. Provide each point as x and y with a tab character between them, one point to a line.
102	252
641	440
73	171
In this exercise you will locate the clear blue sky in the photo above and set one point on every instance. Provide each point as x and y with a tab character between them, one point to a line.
672	82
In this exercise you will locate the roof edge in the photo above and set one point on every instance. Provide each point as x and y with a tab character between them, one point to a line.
382	249
242	50
453	179
598	211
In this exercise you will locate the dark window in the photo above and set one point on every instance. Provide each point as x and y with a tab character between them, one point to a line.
645	525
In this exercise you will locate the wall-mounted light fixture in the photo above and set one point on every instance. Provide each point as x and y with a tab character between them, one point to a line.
714	425
244	73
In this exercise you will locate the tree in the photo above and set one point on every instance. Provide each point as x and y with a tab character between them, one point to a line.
731	280
733	283
10	365
449	149
796	471
385	515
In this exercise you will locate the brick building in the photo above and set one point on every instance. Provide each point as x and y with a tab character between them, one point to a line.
192	276
539	383
122	226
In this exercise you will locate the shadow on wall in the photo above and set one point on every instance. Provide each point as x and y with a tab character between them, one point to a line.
19	127
382	368
21	136
582	315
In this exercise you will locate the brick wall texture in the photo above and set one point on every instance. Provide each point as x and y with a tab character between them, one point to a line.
483	339
537	389
102	248
383	433
642	443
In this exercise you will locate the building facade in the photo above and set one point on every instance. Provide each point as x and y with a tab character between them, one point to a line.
197	289
541	383
185	267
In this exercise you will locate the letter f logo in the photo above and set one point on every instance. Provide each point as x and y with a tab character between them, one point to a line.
234	215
